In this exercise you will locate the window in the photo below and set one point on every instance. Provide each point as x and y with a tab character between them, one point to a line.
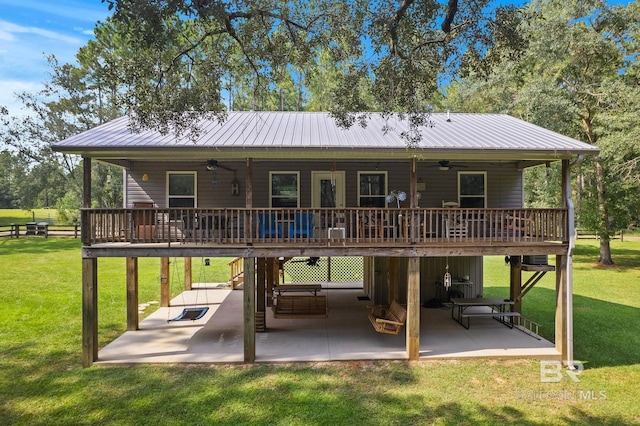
285	189
372	189
472	189
181	189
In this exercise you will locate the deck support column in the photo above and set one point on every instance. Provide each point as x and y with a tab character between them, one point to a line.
393	279
271	277
564	276
89	311
261	292
249	310
367	275
165	291
413	184
188	274
132	293
413	308
248	202
561	306
515	263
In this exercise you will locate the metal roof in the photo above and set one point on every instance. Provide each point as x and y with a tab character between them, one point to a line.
317	135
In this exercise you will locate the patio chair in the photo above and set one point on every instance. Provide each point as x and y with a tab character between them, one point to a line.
302	226
450	204
369	226
455	226
520	226
143	221
190	226
267	226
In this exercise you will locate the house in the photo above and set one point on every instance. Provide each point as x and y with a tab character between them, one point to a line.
269	185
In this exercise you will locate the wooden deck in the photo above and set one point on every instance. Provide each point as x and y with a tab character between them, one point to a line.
343	229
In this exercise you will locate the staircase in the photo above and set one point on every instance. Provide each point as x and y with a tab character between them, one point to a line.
236	276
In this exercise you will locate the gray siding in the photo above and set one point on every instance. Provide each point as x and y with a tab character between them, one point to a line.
504	184
432	270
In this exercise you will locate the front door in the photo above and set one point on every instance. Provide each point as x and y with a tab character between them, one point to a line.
327	189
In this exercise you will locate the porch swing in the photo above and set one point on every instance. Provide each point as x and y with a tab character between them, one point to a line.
190	313
298	305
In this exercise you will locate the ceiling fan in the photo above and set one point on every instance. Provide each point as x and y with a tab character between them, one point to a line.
445	165
212	165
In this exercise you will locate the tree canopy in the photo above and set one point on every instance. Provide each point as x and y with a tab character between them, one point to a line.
573	70
187	55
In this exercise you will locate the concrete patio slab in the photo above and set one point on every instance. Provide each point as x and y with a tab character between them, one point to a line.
345	335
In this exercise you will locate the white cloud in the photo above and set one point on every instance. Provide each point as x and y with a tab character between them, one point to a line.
89	11
8	89
31	30
8	31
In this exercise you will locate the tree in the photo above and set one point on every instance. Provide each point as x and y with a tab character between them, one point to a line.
71	102
12	169
571	73
175	55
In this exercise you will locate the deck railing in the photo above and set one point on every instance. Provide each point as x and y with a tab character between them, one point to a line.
323	226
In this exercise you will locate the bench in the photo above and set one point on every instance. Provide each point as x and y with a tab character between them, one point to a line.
388	320
300	307
498	316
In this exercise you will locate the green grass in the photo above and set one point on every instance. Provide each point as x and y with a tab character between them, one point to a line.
20	217
42	382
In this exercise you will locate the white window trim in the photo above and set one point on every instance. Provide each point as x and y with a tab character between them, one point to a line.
460	196
284	172
374	172
195	184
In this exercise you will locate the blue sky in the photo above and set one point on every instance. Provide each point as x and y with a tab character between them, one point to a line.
32	29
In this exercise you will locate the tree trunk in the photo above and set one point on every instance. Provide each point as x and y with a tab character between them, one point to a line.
605	233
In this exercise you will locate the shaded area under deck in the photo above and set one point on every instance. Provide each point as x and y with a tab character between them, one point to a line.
345	335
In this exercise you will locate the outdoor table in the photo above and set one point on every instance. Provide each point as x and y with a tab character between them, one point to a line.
498	311
32	228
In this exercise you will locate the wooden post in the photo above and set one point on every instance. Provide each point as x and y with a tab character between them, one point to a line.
413	308
413	184
248	223
165	290
249	310
86	201
188	274
515	291
89	311
268	276
275	272
367	276
564	279
261	295
561	304
132	293
393	279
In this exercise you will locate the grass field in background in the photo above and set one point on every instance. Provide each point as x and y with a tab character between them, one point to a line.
42	381
20	217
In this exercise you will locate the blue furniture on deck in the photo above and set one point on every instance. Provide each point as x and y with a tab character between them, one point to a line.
267	226
302	226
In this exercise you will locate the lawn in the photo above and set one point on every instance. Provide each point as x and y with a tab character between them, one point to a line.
42	381
20	217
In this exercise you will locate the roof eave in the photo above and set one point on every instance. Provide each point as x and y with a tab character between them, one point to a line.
324	153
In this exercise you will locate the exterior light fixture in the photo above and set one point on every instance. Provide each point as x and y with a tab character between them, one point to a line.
212	165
